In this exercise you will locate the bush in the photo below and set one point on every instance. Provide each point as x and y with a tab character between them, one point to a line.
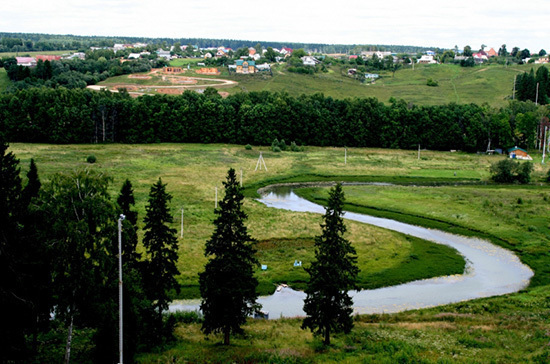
295	148
91	159
510	171
432	83
276	149
248	147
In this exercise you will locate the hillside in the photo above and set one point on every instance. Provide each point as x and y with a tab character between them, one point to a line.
487	84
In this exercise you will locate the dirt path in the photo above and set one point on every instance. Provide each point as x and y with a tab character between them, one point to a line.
138	90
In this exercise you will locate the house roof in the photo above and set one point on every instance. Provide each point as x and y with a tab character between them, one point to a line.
240	62
516	148
25	59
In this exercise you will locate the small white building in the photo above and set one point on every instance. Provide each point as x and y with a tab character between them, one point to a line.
310	61
425	59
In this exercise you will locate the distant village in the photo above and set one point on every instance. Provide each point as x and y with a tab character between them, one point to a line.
258	59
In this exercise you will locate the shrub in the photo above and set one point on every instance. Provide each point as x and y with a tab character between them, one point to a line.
432	83
276	149
248	147
510	171
295	148
91	159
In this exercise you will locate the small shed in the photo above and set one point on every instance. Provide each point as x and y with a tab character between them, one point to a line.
519	153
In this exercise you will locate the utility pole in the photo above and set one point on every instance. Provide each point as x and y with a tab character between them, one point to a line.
216	200
241	177
345	155
514	93
537	95
544	146
120	341
418	151
182	222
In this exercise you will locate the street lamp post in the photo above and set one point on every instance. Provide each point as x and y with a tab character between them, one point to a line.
120	219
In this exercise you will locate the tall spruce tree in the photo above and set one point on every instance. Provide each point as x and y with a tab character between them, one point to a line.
161	244
228	285
137	308
12	343
333	273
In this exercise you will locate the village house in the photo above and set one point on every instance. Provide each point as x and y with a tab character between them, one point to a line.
519	153
480	57
542	60
26	61
50	58
245	67
164	54
286	52
77	55
378	54
426	59
310	61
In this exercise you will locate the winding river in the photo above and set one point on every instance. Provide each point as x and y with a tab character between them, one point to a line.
490	270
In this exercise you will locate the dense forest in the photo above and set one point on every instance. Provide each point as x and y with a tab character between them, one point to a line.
61	115
27	42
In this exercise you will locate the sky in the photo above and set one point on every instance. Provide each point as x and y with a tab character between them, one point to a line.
427	23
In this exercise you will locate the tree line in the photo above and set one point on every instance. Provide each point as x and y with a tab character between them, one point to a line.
533	86
27	42
60	115
58	261
75	73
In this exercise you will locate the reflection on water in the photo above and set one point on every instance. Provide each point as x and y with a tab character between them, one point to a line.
490	270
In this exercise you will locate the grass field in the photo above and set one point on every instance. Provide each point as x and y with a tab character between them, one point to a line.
511	329
32	54
4	80
508	329
192	173
492	83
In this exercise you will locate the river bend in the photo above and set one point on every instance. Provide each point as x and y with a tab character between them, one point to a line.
490	270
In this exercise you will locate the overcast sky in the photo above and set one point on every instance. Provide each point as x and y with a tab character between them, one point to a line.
432	23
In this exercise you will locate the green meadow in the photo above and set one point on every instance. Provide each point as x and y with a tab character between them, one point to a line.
443	190
37	53
492	84
193	172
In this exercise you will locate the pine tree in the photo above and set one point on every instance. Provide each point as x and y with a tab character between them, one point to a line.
161	244
137	308
12	343
126	201
333	273
228	285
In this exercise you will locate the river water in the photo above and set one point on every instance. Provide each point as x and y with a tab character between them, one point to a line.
490	270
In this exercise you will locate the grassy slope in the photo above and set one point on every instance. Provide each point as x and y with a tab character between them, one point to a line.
193	171
4	80
32	54
509	329
492	84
